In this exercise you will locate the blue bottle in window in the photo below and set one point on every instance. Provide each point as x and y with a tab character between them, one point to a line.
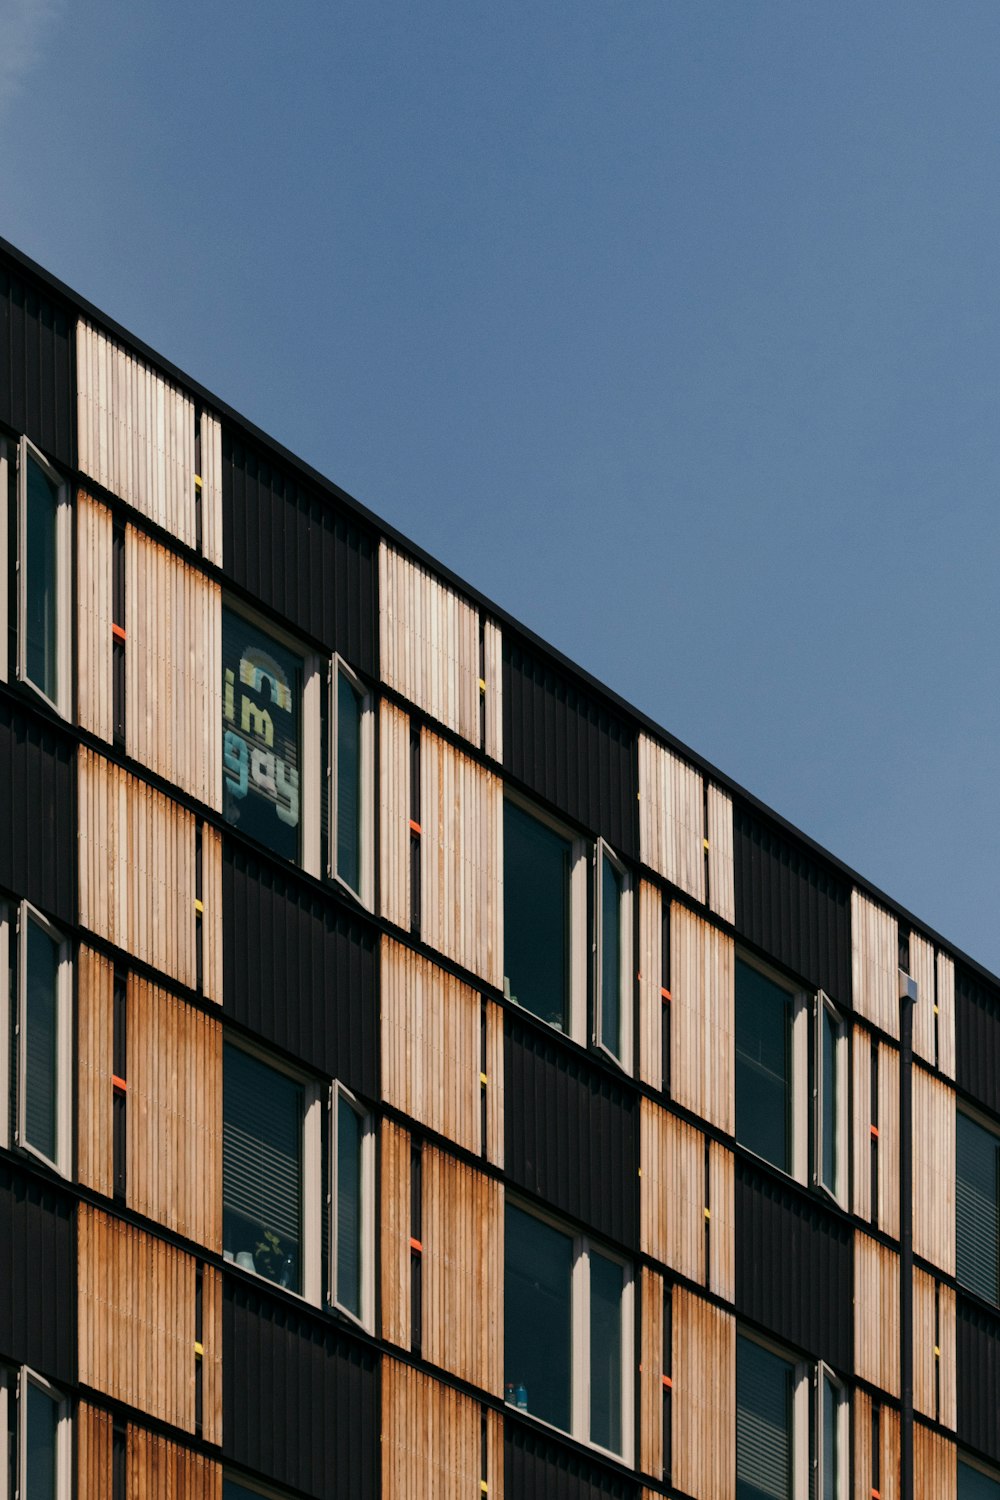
516	1394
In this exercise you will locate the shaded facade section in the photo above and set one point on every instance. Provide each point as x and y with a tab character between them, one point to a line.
37	1275
569	748
978	1353
38	827
36	366
299	969
300	1399
535	1469
977	1038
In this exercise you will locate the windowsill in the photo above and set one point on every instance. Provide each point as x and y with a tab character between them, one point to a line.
811	1191
257	1278
584	1444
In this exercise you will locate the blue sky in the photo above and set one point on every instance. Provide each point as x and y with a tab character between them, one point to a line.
673	326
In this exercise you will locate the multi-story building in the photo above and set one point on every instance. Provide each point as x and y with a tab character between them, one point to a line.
425	1078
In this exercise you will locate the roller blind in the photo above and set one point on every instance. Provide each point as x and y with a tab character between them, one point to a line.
763	1424
978	1220
262	1146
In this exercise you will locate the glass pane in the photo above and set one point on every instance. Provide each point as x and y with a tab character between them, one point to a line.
41	566
977	1219
350	1134
536	869
348	783
40	1458
763	1066
612	885
41	1039
972	1485
829	1031
831	1440
538	1355
262	1169
233	1491
763	1424
261	699
607	1280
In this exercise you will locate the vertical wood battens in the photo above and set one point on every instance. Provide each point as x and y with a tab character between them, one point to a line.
651	1374
722	1224
703	1399
494	1084
721	871
93	1452
94	614
888	1140
211	921
934	1349
671	818
861	1123
935	1465
429	643
865	1453
876	1313
922	969
702	1042
157	1469
651	999
946	1014
493	676
211	488
934	1185
875	963
462	1217
431	1438
394	820
395	1247
95	1054
672	1219
211	1361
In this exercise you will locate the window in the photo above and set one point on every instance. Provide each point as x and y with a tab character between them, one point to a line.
241	1489
792	1432
352	783
35	1035
352	1196
44	584
977	1226
567	1331
544	917
613	948
975	1483
35	1438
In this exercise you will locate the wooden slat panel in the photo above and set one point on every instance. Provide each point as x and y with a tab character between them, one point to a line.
875	963
431	1445
211	488
934	1187
135	433
888	1437
494	1084
95	1052
135	1317
174	1071
861	1123
703	1400
876	1313
429	643
863	1468
702	1043
888	1139
924	1344
948	1414
137	867
462	1288
671	817
935	1465
395	1250
94	1436
394	822
721	877
494	1456
946	1014
94	613
461	879
211	1363
651	980
722	1229
211	921
672	1199
651	1376
493	654
431	1045
157	1469
923	969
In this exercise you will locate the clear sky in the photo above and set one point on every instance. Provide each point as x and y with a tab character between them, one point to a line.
673	325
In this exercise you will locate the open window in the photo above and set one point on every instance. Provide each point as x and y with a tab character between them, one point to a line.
792	1426
352	783
352	1207
35	1438
613	956
36	1035
830	1148
42	541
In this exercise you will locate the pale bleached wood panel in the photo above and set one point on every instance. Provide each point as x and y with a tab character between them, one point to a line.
211	1337
462	1286
948	1357
211	920
721	873
863	1470
888	1139
934	1185
94	615
876	1313
875	963
157	1469
946	1014
429	643
494	1084
394	820
722	1226
925	1346
672	1197
651	1374
461	850
861	1123
395	1230
95	1060
431	1437
671	817
135	432
935	1465
494	1456
888	1451
702	1041
923	969
493	662
703	1398
211	488
889	1445
651	984
94	1441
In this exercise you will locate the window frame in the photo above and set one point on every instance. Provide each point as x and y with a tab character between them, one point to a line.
366	894
798	1064
808	1378
970	1461
838	1192
602	852
253	1485
25	1377
991	1128
62	704
5	447
17	915
366	1320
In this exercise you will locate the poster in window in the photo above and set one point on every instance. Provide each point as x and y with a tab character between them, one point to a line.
261	698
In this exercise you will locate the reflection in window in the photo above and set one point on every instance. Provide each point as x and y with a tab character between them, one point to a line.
763	1066
350	1205
538	1317
261	713
262	1169
40	561
41	1453
536	913
607	1282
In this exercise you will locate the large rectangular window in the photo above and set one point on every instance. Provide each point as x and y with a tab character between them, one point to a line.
352	783
792	1427
764	1013
36	1012
34	493
544	916
35	1438
978	1208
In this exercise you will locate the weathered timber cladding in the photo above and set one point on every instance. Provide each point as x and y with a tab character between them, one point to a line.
569	748
876	1313
298	554
537	1469
946	1014
978	1349
394	819
36	365
94	610
977	1025
429	643
157	1469
672	1191
431	1439
95	1069
37	1275
671	817
462	1293
299	969
570	1132
702	1018
651	1374
935	1465
721	877
861	1123
703	1399
38	831
875	963
211	488
885	1452
888	1139
493	678
300	1399
93	1429
794	1262
652	982
211	1363
722	1225
933	1349
934	1187
394	1178
494	1084
792	905
211	918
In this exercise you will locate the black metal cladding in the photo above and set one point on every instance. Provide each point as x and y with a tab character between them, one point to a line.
37	819
978	1352
37	1275
977	1026
297	554
570	749
300	1400
299	969
791	905
536	1469
570	1135
36	366
794	1267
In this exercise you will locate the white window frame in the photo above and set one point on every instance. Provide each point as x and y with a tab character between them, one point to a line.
253	1486
602	852
366	893
824	1375
838	1190
972	1462
4	555
367	1318
62	704
801	1007
807	1418
64	1036
64	1442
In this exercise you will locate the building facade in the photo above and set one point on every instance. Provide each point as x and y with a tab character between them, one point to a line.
424	1077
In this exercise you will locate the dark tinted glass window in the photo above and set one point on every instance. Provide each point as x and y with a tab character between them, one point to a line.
978	1208
536	915
974	1485
350	1135
606	1282
41	563
763	1066
538	1356
612	889
829	1036
40	1458
349	706
41	1039
262	1169
261	713
763	1424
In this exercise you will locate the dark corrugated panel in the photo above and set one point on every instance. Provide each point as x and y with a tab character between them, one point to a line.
571	1133
794	1267
37	1275
794	907
536	1468
978	1351
300	1399
299	969
37	819
289	547
36	366
977	1038
569	748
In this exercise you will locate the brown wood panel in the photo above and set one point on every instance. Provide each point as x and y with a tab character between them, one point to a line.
431	1437
211	1361
888	1139
211	921
494	1456
722	1226
672	1191
651	1374
157	1469
861	1123
494	1083
702	1042
934	1186
703	1398
925	1347
947	1359
671	817
863	1487
395	1248
875	963
889	1444
493	654
462	1287
721	875
94	1436
946	1014
935	1465
394	814
923	969
94	614
211	488
651	983
429	642
876	1313
95	1058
